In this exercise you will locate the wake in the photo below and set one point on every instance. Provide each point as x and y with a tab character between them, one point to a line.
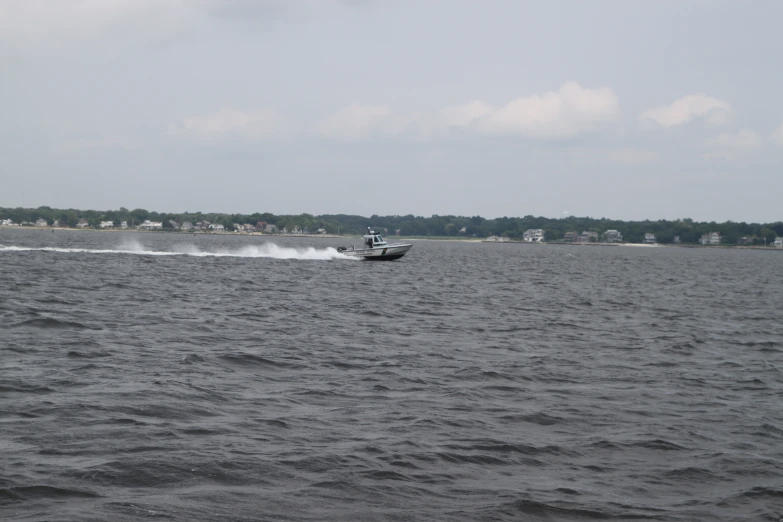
266	250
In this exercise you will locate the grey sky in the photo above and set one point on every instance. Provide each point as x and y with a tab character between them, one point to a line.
624	109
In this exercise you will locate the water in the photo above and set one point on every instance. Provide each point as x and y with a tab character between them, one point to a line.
173	377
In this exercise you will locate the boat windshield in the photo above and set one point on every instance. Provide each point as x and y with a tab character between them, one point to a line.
378	239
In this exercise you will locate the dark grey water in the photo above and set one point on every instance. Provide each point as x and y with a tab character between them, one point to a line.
463	382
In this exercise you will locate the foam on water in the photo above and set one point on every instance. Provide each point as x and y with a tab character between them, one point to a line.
268	250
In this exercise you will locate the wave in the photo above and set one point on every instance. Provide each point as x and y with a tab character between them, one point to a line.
266	250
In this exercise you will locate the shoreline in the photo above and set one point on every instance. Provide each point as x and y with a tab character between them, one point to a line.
396	238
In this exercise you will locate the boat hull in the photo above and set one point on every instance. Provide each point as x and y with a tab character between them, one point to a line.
387	253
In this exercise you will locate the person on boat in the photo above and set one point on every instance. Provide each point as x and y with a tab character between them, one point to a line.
369	242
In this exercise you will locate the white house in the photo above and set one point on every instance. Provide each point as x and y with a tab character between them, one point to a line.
612	236
83	223
217	227
713	238
649	239
778	243
533	235
270	229
123	224
151	225
7	223
40	222
187	225
107	224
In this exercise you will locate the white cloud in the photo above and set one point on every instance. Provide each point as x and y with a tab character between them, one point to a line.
467	114
46	26
731	145
570	111
357	122
777	136
231	123
683	110
49	26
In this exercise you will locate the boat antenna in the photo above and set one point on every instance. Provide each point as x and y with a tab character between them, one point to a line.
368	231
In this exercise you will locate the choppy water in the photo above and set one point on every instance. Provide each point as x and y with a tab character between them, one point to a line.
172	377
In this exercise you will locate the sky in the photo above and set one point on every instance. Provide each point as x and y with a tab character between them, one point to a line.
656	109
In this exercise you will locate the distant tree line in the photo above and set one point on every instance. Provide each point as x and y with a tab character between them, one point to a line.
689	231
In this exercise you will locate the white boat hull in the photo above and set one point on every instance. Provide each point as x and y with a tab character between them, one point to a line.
386	253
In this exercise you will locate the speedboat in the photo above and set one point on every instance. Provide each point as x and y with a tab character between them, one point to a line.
375	248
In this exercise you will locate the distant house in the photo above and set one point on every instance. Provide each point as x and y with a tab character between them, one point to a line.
186	225
501	239
649	239
713	238
778	243
8	223
533	235
676	240
570	236
321	231
463	230
216	227
173	223
202	225
397	231
261	225
613	236
123	224
83	223
40	222
589	237
150	225
107	224
270	229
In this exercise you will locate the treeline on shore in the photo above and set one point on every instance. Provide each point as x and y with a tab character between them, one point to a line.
687	230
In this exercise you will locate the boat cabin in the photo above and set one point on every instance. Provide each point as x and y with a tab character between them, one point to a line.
373	240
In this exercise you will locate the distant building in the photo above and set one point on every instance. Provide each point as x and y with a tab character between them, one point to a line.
8	223
321	231
676	240
123	224
713	238
151	225
589	237
216	227
463	230
397	231
613	236
501	239
778	243
173	223
83	223
186	225
533	235
570	236
649	239
40	222
107	224
270	229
